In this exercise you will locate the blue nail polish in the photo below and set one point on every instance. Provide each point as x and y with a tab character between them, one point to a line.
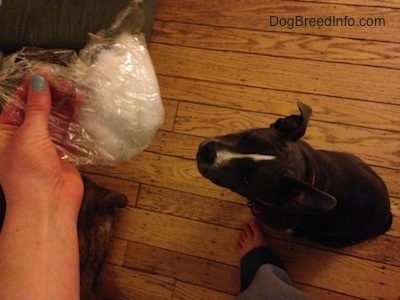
38	83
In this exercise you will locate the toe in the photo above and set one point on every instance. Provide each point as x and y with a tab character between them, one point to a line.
255	228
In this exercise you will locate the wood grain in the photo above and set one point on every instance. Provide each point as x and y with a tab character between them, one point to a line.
122	283
166	171
186	291
284	74
317	293
178	234
116	253
373	3
323	270
254	15
279	44
327	109
170	108
221	68
183	267
304	263
195	207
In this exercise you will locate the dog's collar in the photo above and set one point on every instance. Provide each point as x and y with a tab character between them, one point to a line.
313	179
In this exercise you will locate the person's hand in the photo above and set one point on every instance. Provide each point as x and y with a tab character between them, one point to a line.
39	252
32	174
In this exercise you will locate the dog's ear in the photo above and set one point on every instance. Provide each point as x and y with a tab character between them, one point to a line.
301	197
294	126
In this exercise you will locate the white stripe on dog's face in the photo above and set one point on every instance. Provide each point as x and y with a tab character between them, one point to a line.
224	157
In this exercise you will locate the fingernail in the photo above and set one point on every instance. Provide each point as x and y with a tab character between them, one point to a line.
38	83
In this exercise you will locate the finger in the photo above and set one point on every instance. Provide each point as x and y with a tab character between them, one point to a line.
254	226
239	242
13	110
248	231
256	229
241	239
38	105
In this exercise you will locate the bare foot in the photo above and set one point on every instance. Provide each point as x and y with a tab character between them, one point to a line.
250	237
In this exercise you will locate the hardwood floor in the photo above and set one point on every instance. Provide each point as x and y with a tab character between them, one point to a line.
222	67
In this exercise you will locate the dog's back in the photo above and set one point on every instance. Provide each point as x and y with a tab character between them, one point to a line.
363	204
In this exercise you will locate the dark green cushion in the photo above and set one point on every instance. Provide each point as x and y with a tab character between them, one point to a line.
60	23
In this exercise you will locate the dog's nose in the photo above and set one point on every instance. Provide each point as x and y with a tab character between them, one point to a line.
207	152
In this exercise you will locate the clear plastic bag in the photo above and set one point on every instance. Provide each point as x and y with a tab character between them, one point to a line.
106	101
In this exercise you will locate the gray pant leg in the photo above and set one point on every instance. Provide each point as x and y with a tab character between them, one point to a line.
271	282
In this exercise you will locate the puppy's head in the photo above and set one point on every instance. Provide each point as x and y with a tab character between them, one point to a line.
266	166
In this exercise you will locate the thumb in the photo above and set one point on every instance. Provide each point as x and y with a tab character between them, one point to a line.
38	104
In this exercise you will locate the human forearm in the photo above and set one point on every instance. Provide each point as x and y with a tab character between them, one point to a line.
39	256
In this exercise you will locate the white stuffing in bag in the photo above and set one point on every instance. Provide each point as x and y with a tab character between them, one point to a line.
106	102
124	126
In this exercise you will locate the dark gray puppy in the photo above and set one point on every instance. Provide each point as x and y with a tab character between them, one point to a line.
95	224
334	198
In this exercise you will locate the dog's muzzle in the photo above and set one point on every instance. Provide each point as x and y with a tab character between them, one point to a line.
207	153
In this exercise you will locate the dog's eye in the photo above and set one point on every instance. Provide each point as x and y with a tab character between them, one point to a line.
244	138
244	177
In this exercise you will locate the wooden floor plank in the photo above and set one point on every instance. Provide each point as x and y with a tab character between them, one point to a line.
116	252
170	108
280	44
178	234
322	294
284	74
195	207
368	280
327	109
166	171
186	291
306	265
183	267
372	3
175	144
380	249
255	15
392	180
116	283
